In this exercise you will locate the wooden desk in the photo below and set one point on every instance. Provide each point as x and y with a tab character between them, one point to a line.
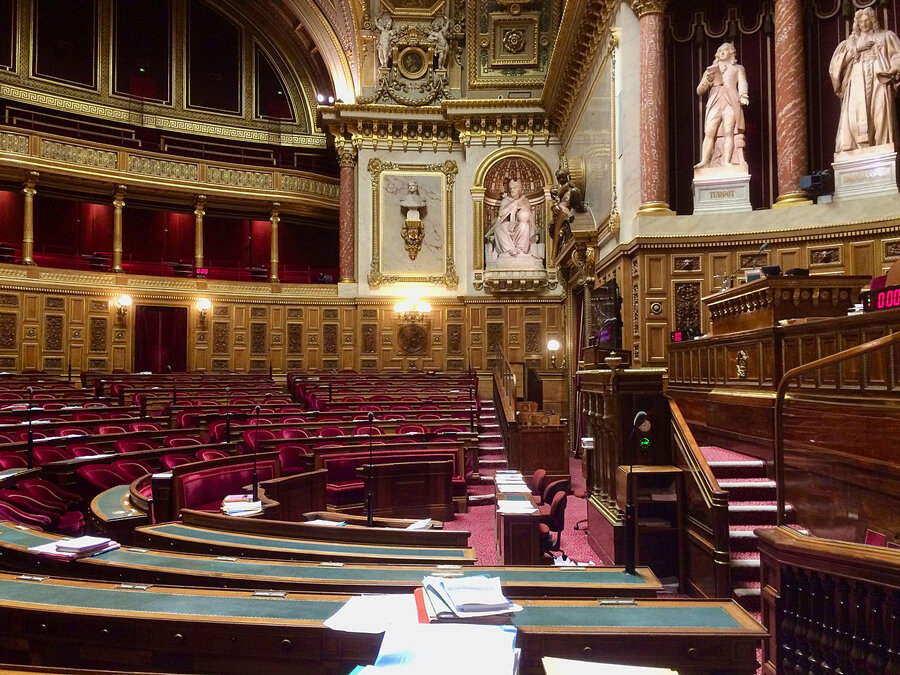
410	489
518	536
96	625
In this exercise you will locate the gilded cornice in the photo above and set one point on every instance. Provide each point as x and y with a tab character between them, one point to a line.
584	29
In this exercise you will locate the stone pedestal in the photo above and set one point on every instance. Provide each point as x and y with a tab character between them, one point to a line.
722	190
865	173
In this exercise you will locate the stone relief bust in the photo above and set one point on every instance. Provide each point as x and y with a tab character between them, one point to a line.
412	202
725	84
865	74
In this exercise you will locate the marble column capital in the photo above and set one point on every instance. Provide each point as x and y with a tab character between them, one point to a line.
644	7
346	157
29	185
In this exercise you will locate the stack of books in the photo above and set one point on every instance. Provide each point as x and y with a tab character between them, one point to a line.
241	505
72	549
477	599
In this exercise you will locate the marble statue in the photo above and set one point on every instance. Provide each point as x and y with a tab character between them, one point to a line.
725	82
438	34
412	201
865	74
512	237
386	35
566	195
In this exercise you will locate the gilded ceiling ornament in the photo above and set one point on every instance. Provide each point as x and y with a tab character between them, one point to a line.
514	40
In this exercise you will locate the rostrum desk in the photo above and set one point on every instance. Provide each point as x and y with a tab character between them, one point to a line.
93	624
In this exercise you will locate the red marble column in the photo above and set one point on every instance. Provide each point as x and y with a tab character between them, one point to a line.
654	125
790	102
347	231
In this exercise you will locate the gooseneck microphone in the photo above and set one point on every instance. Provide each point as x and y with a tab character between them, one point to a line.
370	496
30	446
255	441
640	423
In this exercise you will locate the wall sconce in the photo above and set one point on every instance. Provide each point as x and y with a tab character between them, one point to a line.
203	306
123	302
412	310
553	346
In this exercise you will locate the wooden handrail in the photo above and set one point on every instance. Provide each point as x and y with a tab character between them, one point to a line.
502	381
793	374
709	485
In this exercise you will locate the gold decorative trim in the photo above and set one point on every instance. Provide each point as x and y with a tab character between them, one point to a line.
78	154
219	175
449	169
14	143
151	166
644	7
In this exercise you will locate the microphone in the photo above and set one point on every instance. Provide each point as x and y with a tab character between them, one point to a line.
255	441
640	423
370	497
30	446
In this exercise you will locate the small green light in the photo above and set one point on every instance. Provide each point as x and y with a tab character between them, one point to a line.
645	442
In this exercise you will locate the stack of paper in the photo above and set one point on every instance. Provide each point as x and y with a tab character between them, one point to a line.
325	523
72	549
477	598
515	507
511	482
417	649
240	505
555	666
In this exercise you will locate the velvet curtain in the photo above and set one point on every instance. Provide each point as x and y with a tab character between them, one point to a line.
160	339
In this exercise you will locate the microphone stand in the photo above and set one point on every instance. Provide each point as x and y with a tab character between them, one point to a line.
255	477
630	524
370	498
30	446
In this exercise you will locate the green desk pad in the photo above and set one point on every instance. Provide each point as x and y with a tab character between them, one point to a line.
201	535
675	615
108	504
161	560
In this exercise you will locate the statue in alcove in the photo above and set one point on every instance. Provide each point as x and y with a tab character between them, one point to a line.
512	239
725	82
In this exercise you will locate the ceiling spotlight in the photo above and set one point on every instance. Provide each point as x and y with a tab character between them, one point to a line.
320	98
331	99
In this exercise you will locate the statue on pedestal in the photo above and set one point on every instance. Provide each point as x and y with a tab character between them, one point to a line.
865	74
726	83
438	34
512	236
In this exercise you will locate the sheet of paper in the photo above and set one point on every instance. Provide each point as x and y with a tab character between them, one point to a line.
374	613
514	507
555	666
424	524
325	523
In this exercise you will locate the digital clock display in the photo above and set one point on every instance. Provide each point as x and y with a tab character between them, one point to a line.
883	298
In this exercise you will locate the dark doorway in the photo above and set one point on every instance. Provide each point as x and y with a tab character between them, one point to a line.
160	339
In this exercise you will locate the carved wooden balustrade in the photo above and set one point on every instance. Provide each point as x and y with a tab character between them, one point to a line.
830	606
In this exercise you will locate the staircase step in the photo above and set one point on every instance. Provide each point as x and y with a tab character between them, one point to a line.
749	597
491	463
742	540
745	569
754	468
755	514
759	490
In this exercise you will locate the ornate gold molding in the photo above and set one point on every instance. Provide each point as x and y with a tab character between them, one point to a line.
449	170
644	7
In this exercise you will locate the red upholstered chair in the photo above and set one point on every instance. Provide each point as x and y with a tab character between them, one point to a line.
94	404
210	453
87	416
294	433
366	430
368	407
144	426
176	459
42	486
554	521
104	429
9	437
550	491
134	444
293	458
181	441
393	417
187	419
132	468
79	450
47	454
380	397
16	515
61	520
216	431
10	460
293	420
253	436
536	483
449	428
101	477
353	399
329	432
428	416
74	431
430	406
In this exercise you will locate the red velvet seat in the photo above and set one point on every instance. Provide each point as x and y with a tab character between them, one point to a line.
187	419
451	428
366	430
132	468
253	436
101	477
74	431
330	432
410	429
9	437
10	512
61	520
144	426
9	460
87	416
216	431
47	454
104	429
134	444
294	433
181	441
204	489
79	450
370	408
176	459
43	487
293	458
393	417
210	453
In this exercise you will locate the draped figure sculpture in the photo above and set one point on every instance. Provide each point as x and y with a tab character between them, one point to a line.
512	236
865	73
726	83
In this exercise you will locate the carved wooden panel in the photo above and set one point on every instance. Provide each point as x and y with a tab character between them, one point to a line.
99	306
892	249
220	364
258	338
454	338
454	314
495	312
533	338
295	313
220	337
98	340
329	336
53	331
687	304
9	300
97	364
55	303
53	363
826	255
330	314
294	338
370	314
494	337
8	328
258	313
369	343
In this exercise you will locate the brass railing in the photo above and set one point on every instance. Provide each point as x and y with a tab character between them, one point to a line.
825	362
